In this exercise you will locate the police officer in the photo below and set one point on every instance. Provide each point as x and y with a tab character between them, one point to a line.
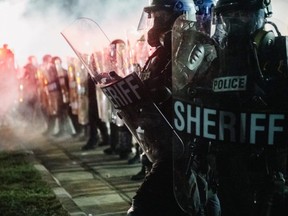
156	196
193	52
144	103
238	88
95	122
259	174
120	136
65	121
51	98
29	94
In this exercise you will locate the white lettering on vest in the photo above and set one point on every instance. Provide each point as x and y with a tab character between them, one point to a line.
231	83
228	126
124	92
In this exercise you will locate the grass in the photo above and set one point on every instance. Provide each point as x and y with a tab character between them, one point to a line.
22	189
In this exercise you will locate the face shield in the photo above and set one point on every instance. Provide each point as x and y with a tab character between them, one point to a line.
154	24
243	21
240	24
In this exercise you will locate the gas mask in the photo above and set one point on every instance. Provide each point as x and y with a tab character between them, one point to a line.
162	22
241	24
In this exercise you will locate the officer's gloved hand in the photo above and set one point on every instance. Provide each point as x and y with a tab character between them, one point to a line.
159	92
106	77
114	76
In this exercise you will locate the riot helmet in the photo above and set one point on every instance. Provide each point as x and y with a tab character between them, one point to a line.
204	7
204	15
241	18
32	60
162	14
56	59
46	58
115	46
233	5
172	5
117	57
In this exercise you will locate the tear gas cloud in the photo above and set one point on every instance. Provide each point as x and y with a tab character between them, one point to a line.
32	27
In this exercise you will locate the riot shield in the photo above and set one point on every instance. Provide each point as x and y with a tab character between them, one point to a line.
226	113
128	95
81	77
62	77
73	95
88	40
91	50
186	56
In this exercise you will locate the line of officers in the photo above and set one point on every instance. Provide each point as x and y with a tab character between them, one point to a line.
64	95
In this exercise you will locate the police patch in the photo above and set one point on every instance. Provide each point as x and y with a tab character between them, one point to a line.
231	83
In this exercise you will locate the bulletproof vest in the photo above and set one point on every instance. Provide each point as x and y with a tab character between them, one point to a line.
158	64
244	98
157	77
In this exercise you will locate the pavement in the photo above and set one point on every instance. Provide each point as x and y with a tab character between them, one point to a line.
87	183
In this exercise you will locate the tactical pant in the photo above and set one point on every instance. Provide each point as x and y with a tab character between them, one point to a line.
155	197
251	181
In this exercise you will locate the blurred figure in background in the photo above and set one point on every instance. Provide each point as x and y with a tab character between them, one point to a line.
95	123
55	97
50	93
28	95
78	94
121	138
65	122
8	88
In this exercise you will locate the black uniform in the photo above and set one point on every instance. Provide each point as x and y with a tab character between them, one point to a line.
240	102
95	122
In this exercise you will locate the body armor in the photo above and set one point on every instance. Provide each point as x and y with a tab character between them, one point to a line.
226	111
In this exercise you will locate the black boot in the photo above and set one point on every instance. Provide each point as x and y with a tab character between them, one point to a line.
140	175
92	141
104	136
136	158
114	144
91	144
125	142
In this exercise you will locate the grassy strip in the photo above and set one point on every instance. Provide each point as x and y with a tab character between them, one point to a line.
22	190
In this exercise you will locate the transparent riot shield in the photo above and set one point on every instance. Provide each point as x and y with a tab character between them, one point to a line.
88	41
186	55
225	109
90	44
127	94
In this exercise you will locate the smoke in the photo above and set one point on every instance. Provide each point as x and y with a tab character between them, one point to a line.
279	16
32	27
